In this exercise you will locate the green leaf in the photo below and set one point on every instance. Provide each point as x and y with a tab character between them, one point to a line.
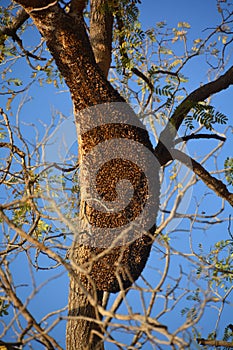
206	116
3	308
228	165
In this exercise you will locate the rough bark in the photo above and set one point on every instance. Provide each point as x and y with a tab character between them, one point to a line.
80	331
101	24
69	44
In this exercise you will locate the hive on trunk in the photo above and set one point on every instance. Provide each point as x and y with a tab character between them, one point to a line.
119	196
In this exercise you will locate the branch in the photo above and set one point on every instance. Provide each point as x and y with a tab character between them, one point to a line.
215	342
143	77
11	29
10	346
47	339
201	94
199	136
101	26
78	6
167	136
26	52
13	148
216	185
168	72
42	6
68	42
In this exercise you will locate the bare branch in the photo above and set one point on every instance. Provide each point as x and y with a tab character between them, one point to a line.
215	342
6	285
42	8
26	52
199	136
216	185
14	148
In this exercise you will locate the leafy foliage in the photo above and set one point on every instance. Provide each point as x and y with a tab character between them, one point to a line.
228	334
3	307
205	115
220	259
228	165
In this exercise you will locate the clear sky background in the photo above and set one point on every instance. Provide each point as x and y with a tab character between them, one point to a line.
42	101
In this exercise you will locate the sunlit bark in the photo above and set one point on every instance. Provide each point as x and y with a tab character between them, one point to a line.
67	40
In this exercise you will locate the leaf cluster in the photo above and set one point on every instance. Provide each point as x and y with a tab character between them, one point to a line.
228	165
205	115
228	334
3	307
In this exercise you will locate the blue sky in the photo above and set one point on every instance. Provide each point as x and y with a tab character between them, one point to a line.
43	100
200	14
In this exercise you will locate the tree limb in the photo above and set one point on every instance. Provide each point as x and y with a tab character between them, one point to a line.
11	29
209	342
201	94
167	136
141	75
216	185
68	42
10	346
47	340
199	136
101	26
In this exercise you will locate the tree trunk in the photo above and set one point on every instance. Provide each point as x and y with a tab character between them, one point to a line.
80	331
98	269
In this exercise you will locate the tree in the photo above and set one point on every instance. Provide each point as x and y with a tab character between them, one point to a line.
113	261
